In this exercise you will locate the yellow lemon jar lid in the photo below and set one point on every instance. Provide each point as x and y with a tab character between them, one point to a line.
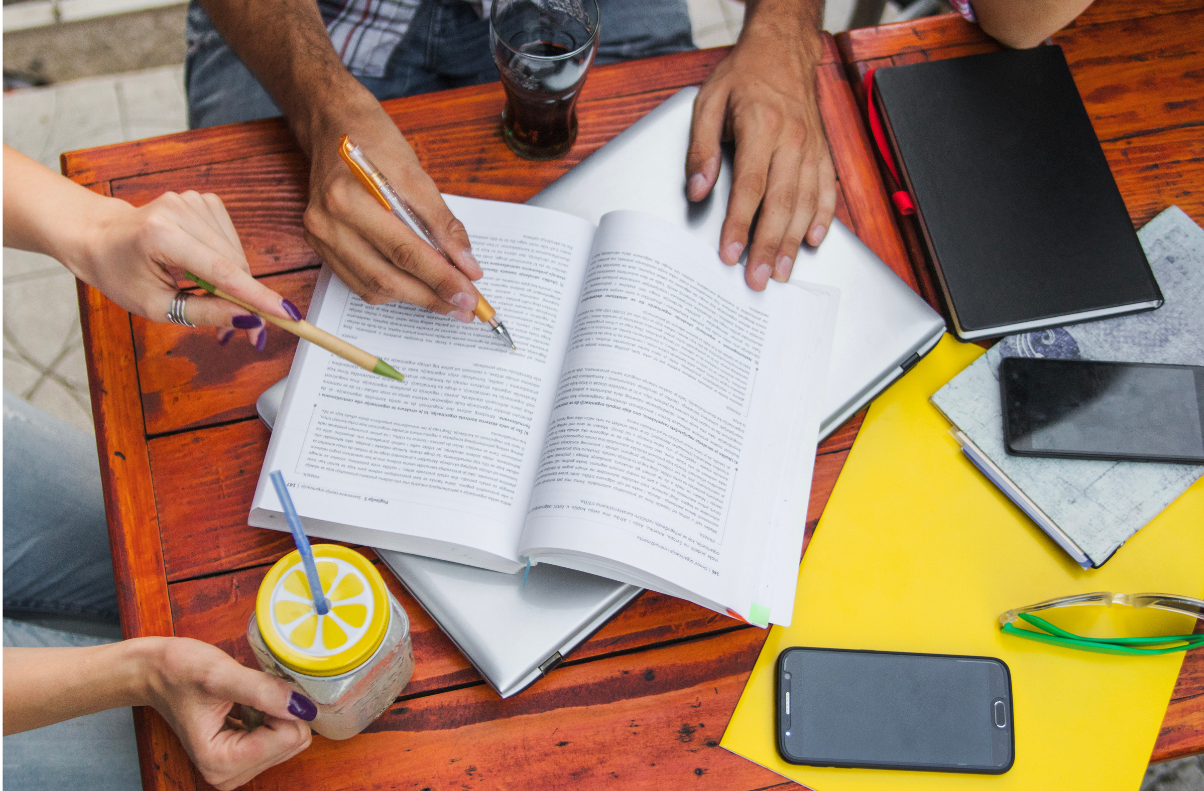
334	643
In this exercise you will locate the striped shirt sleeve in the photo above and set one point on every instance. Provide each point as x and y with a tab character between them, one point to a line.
366	32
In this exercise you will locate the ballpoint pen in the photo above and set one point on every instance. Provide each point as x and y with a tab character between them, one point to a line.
303	329
371	177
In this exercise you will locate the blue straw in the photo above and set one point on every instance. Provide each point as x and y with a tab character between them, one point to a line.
302	541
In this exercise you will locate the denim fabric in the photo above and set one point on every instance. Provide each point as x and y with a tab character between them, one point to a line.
96	752
56	541
446	46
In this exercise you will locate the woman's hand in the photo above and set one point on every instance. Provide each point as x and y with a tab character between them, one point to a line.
195	686
136	255
192	684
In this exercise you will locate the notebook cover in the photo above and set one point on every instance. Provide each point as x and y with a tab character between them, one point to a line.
1021	213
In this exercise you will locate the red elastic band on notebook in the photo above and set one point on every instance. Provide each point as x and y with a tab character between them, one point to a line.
902	201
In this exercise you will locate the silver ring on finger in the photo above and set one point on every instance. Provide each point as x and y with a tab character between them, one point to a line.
175	313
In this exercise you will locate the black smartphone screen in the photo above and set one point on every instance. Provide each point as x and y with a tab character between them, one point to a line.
1103	410
888	710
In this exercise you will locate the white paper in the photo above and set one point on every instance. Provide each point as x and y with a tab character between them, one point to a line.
443	463
683	436
657	424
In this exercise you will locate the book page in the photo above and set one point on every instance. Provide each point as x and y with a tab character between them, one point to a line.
443	463
682	407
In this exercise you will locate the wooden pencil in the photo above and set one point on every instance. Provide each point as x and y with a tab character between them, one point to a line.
303	329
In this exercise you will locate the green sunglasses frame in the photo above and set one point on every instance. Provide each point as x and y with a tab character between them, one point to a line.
1131	646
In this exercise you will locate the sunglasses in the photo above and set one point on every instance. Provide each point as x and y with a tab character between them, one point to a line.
1133	646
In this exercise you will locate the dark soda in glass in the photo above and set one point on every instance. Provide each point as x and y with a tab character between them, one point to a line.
543	49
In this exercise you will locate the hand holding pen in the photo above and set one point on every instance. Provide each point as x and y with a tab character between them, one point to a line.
376	184
377	257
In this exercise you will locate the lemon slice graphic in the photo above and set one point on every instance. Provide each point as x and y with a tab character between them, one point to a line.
339	640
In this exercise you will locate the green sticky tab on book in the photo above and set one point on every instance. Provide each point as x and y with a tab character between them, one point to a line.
758	615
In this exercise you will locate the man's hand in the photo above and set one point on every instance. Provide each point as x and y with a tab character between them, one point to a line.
285	44
762	96
195	686
372	251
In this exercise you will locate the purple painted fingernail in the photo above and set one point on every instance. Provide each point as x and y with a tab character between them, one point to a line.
225	337
301	706
247	322
262	340
291	310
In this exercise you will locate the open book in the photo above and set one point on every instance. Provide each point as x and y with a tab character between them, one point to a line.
657	424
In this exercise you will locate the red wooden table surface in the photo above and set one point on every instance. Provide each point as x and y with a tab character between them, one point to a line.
643	702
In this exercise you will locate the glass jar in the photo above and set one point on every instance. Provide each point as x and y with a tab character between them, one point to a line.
353	661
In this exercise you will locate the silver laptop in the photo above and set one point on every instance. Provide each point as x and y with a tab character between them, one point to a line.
514	630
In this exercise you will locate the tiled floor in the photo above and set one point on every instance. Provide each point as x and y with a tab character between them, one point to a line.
43	351
1185	774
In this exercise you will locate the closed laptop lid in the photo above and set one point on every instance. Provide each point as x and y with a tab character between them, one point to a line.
882	326
512	627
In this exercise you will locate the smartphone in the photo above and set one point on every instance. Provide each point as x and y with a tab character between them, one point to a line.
1079	409
890	710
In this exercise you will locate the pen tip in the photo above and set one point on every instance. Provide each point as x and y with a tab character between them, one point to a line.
384	369
502	332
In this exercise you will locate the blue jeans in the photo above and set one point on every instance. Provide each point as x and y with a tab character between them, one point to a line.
445	46
57	564
97	752
56	540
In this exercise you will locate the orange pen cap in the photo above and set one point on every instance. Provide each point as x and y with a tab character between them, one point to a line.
350	153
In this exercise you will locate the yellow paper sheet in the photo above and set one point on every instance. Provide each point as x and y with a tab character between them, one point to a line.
917	551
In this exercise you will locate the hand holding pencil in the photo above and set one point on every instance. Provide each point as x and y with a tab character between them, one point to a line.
303	329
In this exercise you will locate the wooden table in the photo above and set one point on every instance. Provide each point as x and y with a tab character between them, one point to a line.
644	701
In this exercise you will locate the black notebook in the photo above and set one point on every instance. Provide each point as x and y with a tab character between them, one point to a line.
1020	212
